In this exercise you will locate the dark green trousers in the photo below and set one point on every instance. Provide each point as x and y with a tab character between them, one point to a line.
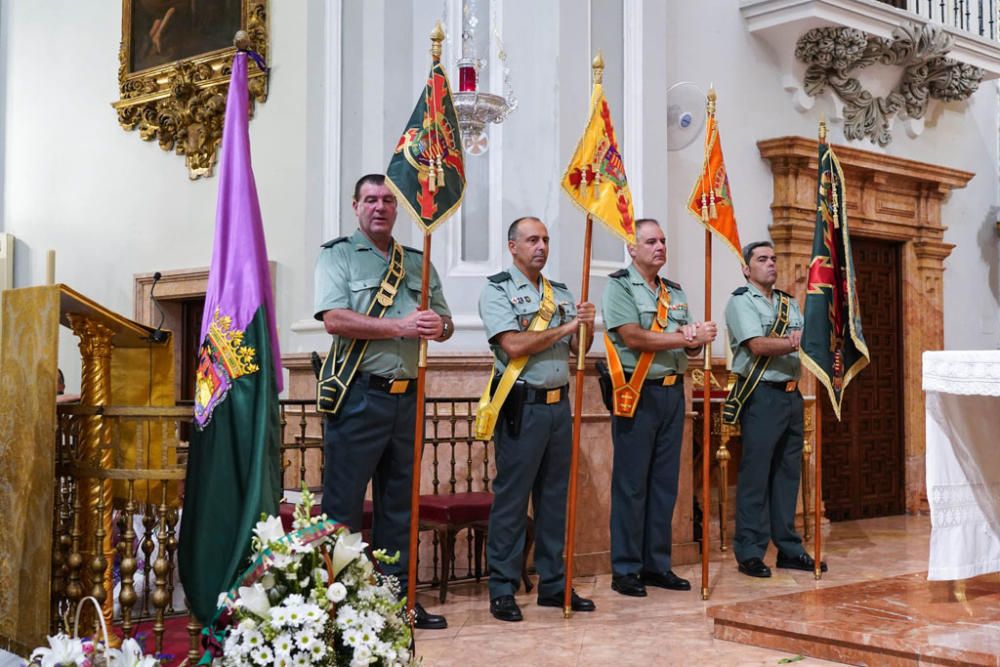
770	469
371	438
644	479
533	464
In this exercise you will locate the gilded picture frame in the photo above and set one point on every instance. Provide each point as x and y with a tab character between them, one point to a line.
174	67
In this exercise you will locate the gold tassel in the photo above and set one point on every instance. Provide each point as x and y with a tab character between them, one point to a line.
712	212
704	208
432	177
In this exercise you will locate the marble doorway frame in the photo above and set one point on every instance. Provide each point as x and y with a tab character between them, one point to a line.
888	198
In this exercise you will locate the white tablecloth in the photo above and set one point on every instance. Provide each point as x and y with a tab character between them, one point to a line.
963	462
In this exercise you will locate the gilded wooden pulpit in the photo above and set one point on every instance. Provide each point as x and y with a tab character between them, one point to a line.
62	481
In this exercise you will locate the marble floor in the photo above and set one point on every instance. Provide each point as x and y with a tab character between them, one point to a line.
667	627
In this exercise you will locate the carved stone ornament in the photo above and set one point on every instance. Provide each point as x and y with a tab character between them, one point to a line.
182	104
833	54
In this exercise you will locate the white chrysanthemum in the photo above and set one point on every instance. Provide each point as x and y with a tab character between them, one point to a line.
282	661
304	639
313	613
352	637
296	615
253	639
293	600
337	592
279	617
283	644
347	617
262	655
302	660
318	651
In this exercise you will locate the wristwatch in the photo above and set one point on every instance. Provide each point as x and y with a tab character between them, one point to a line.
445	328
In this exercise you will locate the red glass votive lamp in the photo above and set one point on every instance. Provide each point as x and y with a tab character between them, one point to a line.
467	75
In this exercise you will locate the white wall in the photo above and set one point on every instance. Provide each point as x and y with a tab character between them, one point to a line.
111	205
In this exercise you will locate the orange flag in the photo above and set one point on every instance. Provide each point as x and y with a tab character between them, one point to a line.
711	199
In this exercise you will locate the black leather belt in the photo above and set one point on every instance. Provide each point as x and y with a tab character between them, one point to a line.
785	386
388	385
548	396
672	380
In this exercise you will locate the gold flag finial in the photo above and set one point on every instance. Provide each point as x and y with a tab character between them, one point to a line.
437	36
822	128
710	104
597	68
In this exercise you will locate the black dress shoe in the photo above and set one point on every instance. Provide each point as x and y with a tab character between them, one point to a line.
669	580
801	562
504	608
755	568
425	621
628	584
577	603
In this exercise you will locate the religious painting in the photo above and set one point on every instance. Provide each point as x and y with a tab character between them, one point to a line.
162	31
174	68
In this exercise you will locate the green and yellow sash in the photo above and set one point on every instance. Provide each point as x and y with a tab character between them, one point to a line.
335	381
743	387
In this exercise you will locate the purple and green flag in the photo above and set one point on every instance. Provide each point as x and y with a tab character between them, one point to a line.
833	346
234	471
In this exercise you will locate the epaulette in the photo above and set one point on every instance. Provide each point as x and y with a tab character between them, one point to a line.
620	273
416	250
501	277
779	291
671	283
740	290
330	244
559	285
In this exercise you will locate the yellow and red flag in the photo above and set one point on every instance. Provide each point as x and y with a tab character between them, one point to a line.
595	178
711	199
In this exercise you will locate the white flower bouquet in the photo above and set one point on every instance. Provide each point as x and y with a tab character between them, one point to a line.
312	597
76	651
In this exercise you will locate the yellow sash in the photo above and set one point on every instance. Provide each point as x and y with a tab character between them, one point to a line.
488	410
625	395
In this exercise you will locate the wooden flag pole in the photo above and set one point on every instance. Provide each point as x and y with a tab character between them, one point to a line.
574	462
418	436
437	36
597	72
818	486
706	426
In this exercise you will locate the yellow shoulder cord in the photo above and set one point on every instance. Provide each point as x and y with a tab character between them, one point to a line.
625	395
488	410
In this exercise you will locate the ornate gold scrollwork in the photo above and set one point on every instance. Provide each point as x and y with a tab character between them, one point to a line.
182	104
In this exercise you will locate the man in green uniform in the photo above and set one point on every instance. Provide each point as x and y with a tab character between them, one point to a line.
370	437
535	431
765	328
649	327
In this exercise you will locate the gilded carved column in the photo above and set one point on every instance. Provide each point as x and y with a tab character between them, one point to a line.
95	495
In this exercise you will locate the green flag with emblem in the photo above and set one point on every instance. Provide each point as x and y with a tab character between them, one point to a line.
833	346
427	169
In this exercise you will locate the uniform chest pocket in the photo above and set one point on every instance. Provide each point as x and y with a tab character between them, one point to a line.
413	284
795	321
679	313
565	311
525	312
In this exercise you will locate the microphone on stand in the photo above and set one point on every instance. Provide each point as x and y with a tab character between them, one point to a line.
158	335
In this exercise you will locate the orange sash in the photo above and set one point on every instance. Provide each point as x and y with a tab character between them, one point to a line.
625	395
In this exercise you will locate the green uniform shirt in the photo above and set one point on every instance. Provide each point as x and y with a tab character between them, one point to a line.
348	273
510	305
751	314
629	299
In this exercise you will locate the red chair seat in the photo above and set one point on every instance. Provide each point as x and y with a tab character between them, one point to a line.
456	508
287	513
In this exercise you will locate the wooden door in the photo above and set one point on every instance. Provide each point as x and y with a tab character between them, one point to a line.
863	456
